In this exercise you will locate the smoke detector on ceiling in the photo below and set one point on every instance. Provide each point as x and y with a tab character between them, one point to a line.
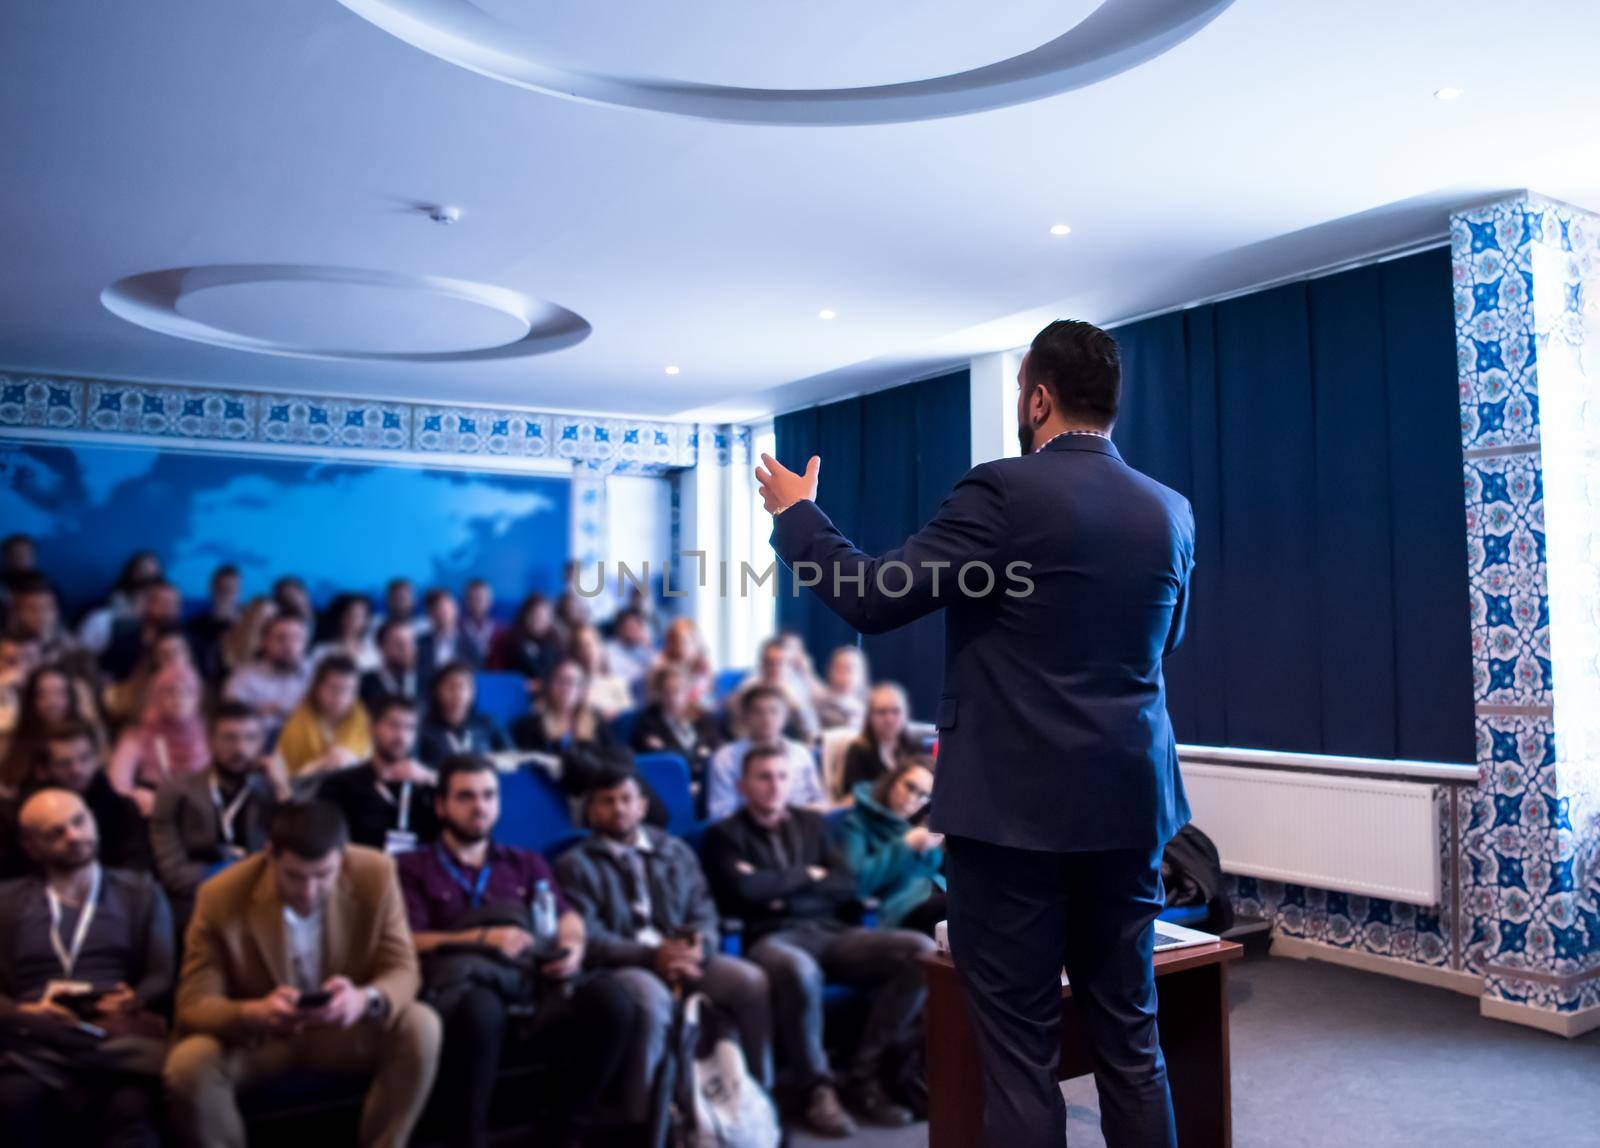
443	213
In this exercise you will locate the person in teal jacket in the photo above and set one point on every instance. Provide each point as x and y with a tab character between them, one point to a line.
897	864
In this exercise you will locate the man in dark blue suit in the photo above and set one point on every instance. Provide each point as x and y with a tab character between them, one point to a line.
1064	576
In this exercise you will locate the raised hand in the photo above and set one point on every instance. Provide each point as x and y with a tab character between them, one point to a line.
781	487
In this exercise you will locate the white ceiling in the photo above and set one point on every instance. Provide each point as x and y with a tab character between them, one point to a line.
1281	138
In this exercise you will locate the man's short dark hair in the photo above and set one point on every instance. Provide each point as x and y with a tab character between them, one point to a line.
760	753
333	664
389	626
30	582
280	619
230	710
459	764
70	729
1081	366
392	702
434	596
608	778
756	693
628	613
308	829
226	570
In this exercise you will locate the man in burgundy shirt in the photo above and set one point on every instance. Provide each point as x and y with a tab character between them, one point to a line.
466	892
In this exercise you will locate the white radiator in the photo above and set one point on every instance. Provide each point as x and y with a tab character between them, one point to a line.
1351	834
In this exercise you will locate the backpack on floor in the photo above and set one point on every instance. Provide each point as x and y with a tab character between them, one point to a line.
718	1103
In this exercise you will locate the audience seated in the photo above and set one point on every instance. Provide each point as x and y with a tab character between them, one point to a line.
158	610
778	870
35	616
346	628
72	760
397	674
531	645
290	595
573	740
674	722
80	942
274	682
209	626
442	642
897	864
884	743
608	692
124	700
468	900
18	660
205	822
329	730
452	725
50	696
630	649
478	627
774	671
842	702
94	632
649	916
683	647
399	605
167	743
388	801
298	959
764	711
242	642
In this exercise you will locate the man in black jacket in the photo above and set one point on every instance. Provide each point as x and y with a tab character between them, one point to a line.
777	869
650	919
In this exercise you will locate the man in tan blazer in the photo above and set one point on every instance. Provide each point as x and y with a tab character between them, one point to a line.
299	959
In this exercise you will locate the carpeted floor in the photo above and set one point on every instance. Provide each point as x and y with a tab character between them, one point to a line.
1327	1057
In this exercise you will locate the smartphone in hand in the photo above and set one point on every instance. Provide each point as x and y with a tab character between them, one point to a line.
315	1000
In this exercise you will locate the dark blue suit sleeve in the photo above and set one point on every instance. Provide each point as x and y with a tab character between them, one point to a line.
875	595
1180	612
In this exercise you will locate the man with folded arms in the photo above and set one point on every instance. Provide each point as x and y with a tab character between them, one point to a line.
80	943
777	869
298	959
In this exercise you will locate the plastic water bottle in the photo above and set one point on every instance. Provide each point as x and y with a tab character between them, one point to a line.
544	914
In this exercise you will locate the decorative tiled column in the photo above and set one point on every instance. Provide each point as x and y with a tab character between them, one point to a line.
1527	301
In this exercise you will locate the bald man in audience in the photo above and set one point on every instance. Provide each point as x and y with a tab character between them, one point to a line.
85	948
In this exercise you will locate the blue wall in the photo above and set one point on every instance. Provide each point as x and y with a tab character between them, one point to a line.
339	526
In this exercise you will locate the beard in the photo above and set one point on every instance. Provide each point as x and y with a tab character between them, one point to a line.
1025	437
467	834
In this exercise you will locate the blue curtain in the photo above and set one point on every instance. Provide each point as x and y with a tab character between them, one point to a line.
888	460
1315	429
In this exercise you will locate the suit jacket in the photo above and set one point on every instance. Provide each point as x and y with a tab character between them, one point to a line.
186	829
235	950
1053	727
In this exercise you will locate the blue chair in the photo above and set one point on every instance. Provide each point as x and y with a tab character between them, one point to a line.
668	775
533	811
725	683
502	697
622	726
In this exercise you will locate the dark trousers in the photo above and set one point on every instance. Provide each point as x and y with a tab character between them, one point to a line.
1016	917
120	1111
579	1041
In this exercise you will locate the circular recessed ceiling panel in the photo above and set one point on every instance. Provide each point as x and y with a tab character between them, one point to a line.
342	313
485	36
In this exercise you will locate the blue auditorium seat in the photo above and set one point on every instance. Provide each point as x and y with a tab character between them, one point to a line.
502	697
668	775
725	683
533	810
622	726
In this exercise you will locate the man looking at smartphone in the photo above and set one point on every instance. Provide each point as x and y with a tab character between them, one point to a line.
84	950
299	959
650	916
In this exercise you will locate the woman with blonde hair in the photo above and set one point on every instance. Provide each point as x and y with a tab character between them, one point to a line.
166	744
242	642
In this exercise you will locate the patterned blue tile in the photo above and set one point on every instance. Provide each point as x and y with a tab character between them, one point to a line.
34	401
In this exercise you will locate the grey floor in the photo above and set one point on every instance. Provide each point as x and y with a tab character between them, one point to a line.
1327	1057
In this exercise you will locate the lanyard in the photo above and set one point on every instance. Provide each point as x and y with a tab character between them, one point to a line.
404	803
227	814
459	743
69	957
474	890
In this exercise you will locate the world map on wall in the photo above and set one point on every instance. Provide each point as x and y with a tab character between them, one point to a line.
339	526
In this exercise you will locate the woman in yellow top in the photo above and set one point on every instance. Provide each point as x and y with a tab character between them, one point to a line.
328	730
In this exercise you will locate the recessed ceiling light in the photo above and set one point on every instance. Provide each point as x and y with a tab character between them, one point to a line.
1448	94
1061	229
672	370
825	313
